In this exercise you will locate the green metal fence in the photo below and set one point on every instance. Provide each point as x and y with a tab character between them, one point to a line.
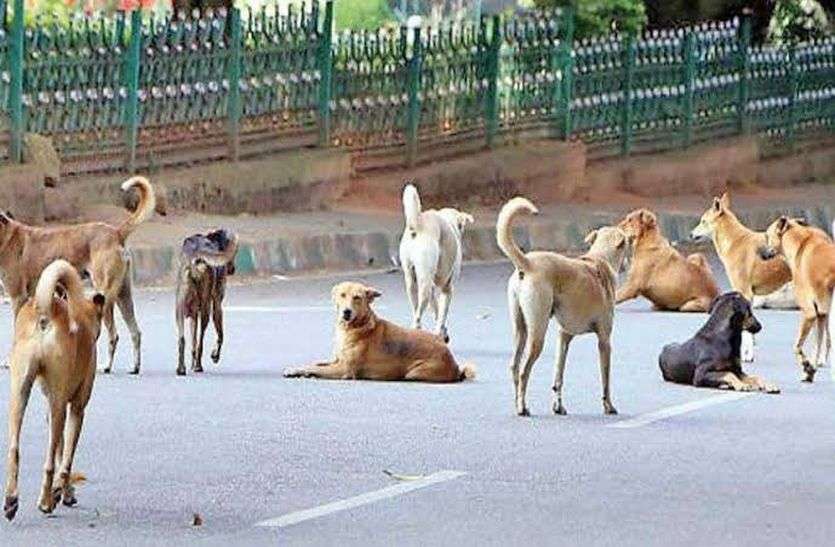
134	91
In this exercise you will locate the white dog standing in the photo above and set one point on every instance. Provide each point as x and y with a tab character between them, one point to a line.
431	255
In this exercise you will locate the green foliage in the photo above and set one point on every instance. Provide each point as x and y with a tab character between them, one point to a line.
362	14
796	21
600	17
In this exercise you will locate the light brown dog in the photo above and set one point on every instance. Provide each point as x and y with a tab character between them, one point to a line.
660	273
370	348
93	247
810	254
579	292
55	344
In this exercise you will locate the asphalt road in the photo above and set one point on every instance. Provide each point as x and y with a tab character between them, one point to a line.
240	445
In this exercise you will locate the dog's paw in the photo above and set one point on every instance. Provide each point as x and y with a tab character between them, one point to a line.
809	371
771	388
106	370
524	412
134	371
746	387
559	410
610	410
181	371
197	369
10	507
68	498
294	373
215	356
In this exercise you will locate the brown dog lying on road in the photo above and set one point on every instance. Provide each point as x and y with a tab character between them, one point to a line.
205	261
370	348
93	247
810	254
54	343
659	273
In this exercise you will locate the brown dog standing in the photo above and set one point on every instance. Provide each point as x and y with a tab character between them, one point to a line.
810	254
94	247
660	273
370	348
54	343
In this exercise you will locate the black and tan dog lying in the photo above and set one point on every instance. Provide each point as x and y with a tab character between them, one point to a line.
712	357
371	348
54	344
205	261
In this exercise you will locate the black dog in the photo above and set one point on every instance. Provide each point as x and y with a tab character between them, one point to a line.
711	357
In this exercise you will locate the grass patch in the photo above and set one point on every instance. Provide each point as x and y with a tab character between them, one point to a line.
362	14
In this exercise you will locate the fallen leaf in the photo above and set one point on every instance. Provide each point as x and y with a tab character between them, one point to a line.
400	477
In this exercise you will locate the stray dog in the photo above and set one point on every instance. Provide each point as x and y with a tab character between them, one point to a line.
810	254
659	273
205	261
712	357
579	292
738	249
55	344
431	254
93	247
370	348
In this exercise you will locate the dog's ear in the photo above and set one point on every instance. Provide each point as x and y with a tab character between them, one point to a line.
648	219
591	237
372	294
725	201
464	219
5	217
801	221
782	225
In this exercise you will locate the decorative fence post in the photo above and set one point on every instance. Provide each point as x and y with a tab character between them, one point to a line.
567	73
16	84
689	84
744	72
233	99
491	108
326	76
133	52
791	128
413	113
630	54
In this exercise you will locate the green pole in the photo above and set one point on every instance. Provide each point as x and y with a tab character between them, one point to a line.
233	100
491	110
567	73
744	71
413	119
16	83
326	72
791	130
689	80
132	84
628	82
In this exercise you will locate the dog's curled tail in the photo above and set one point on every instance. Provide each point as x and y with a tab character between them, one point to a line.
145	207
60	271
411	207
468	372
504	231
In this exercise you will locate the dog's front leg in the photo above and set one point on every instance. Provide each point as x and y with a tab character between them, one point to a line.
604	349
746	349
759	384
629	290
335	370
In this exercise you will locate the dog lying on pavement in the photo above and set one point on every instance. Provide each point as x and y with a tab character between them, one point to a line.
205	261
712	357
810	254
54	344
660	273
371	348
579	292
93	247
431	255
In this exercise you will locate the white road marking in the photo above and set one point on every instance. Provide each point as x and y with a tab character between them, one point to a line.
670	411
284	309
363	499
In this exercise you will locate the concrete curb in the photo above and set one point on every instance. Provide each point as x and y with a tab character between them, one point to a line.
379	249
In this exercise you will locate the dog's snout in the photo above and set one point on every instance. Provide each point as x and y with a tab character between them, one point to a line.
346	314
753	326
767	253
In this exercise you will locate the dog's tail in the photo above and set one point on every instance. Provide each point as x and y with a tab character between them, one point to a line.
145	207
411	207
504	231
60	271
467	372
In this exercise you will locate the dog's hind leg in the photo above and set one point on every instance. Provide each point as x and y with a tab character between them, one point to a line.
76	420
820	340
604	349
425	289
445	297
197	366
125	303
698	305
559	370
411	292
520	336
21	389
181	341
57	417
217	320
112	335
808	370
536	309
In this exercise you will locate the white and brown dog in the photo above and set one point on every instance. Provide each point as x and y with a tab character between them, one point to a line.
810	254
54	344
579	292
431	255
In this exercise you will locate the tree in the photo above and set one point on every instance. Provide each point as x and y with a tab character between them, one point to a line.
596	17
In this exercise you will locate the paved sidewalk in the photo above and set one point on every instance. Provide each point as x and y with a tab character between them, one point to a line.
348	240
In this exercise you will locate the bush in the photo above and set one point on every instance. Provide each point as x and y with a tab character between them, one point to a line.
362	14
797	21
597	17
